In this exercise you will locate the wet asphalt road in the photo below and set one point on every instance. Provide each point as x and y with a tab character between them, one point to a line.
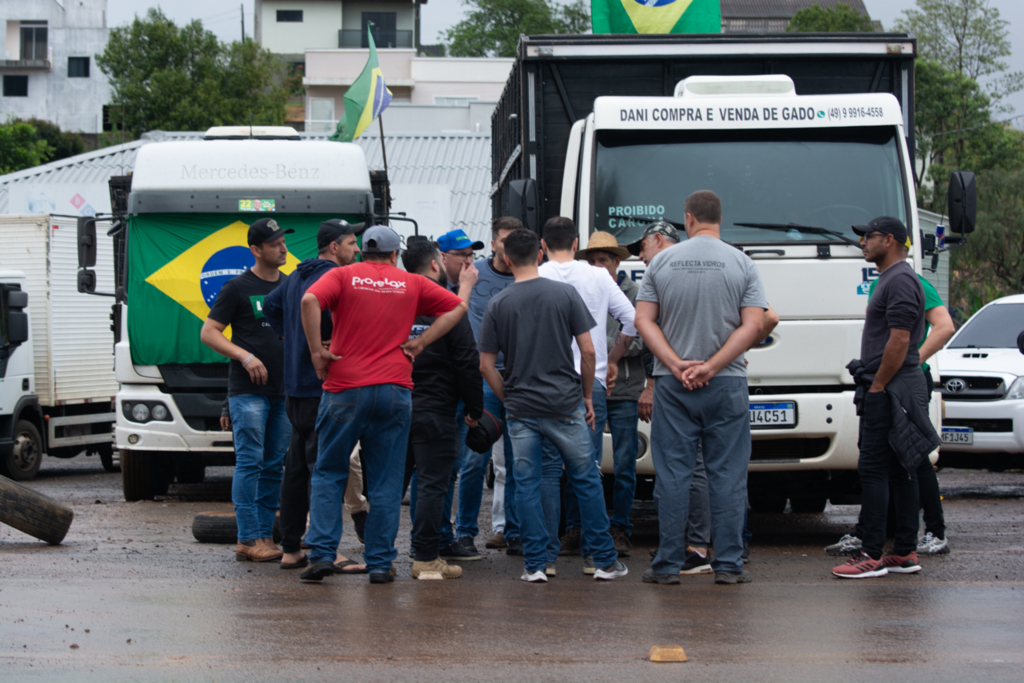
142	600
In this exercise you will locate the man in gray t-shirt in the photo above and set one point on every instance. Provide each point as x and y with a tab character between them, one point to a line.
700	307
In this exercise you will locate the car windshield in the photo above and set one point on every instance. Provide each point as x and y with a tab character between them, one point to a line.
994	327
828	178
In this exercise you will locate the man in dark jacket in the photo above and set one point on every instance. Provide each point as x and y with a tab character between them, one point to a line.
336	243
445	374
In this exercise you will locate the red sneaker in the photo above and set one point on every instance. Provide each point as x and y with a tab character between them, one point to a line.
860	566
901	564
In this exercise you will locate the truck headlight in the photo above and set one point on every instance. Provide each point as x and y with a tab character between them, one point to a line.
159	412
140	412
1016	391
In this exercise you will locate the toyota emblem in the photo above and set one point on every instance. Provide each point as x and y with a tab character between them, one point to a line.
955	386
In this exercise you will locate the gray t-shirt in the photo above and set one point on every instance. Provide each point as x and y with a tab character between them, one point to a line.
700	285
533	323
898	302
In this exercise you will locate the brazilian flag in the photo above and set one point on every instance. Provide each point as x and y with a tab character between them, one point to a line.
367	97
177	265
656	16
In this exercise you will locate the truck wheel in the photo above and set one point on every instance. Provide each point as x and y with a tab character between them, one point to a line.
190	471
220	527
814	505
144	475
33	513
22	464
106	454
768	504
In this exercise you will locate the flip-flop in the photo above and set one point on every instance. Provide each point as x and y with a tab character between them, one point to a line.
345	567
296	565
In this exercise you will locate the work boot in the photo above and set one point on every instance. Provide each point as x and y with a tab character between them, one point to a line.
570	542
257	551
447	571
621	541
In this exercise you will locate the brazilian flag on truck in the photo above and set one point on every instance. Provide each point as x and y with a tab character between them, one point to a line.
176	267
656	16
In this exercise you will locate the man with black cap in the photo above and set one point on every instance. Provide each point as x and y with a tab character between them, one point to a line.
367	395
255	389
336	246
895	431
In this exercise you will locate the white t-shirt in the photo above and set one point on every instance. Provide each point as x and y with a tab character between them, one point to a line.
603	297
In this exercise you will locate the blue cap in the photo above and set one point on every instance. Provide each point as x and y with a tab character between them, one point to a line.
457	239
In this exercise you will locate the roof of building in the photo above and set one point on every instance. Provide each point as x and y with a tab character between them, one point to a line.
765	9
459	160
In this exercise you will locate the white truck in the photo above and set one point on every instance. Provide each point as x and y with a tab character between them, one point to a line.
57	382
801	137
183	218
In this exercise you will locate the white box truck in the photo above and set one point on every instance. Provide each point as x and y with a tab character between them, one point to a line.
58	380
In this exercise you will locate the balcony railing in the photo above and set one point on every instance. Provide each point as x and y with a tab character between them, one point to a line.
382	39
26	65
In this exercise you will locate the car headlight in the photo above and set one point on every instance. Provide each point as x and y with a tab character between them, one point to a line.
140	412
159	412
1016	391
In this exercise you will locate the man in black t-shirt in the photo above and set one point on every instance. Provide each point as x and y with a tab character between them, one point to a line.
255	390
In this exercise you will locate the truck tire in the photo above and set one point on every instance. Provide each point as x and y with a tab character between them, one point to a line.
808	505
145	475
33	513
22	463
220	527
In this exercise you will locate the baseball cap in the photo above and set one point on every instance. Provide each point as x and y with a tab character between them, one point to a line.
457	239
331	230
266	230
380	239
656	228
887	225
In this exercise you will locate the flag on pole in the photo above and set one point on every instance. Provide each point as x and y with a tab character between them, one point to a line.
367	97
656	16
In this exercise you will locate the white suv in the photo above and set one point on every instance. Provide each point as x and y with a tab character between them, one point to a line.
982	382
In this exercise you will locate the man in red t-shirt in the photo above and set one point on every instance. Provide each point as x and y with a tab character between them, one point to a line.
367	392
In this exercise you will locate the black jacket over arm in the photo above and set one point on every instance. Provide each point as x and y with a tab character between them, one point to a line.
448	371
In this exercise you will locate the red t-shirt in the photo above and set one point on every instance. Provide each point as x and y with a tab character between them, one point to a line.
374	306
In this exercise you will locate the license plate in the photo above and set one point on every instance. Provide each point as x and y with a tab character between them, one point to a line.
959	435
780	415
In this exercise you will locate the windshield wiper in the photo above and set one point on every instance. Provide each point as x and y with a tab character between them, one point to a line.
810	229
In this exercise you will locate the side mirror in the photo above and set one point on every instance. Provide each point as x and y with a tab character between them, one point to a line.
523	202
1020	342
17	327
963	202
86	281
86	243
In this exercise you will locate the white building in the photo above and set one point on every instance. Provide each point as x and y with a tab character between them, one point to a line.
49	62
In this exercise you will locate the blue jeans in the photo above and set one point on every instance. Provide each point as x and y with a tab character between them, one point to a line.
623	418
378	418
261	431
718	415
571	437
471	481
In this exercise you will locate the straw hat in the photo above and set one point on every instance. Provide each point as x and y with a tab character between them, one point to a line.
603	241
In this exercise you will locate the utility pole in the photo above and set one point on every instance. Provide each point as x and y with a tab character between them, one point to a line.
241	8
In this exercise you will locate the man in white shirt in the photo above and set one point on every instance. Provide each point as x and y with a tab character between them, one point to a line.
602	297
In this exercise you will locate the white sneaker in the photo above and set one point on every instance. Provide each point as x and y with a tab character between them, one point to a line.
929	544
534	577
613	572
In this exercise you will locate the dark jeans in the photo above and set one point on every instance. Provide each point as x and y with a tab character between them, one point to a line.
433	451
298	465
880	469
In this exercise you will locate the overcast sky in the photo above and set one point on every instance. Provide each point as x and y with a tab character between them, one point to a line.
223	18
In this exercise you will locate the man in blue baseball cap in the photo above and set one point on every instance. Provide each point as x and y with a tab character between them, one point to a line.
457	254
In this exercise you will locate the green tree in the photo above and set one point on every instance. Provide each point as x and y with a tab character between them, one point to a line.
841	18
492	27
21	147
171	78
63	144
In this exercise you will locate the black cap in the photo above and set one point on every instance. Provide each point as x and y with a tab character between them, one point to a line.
266	230
331	230
887	225
656	228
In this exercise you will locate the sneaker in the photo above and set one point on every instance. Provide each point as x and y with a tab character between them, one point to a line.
447	571
695	563
496	542
534	577
929	544
847	545
514	546
459	551
730	578
359	522
860	566
621	541
550	570
901	564
651	576
615	571
588	566
570	542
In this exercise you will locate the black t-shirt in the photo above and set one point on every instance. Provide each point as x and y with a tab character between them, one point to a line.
240	304
534	323
898	302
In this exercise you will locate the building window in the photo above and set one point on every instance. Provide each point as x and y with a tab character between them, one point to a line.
15	86
462	101
78	67
33	40
321	114
289	15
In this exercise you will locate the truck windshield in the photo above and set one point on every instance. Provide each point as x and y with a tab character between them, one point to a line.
828	177
995	327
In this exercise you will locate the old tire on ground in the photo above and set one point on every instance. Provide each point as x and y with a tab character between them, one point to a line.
22	463
808	505
106	454
33	513
145	474
220	527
